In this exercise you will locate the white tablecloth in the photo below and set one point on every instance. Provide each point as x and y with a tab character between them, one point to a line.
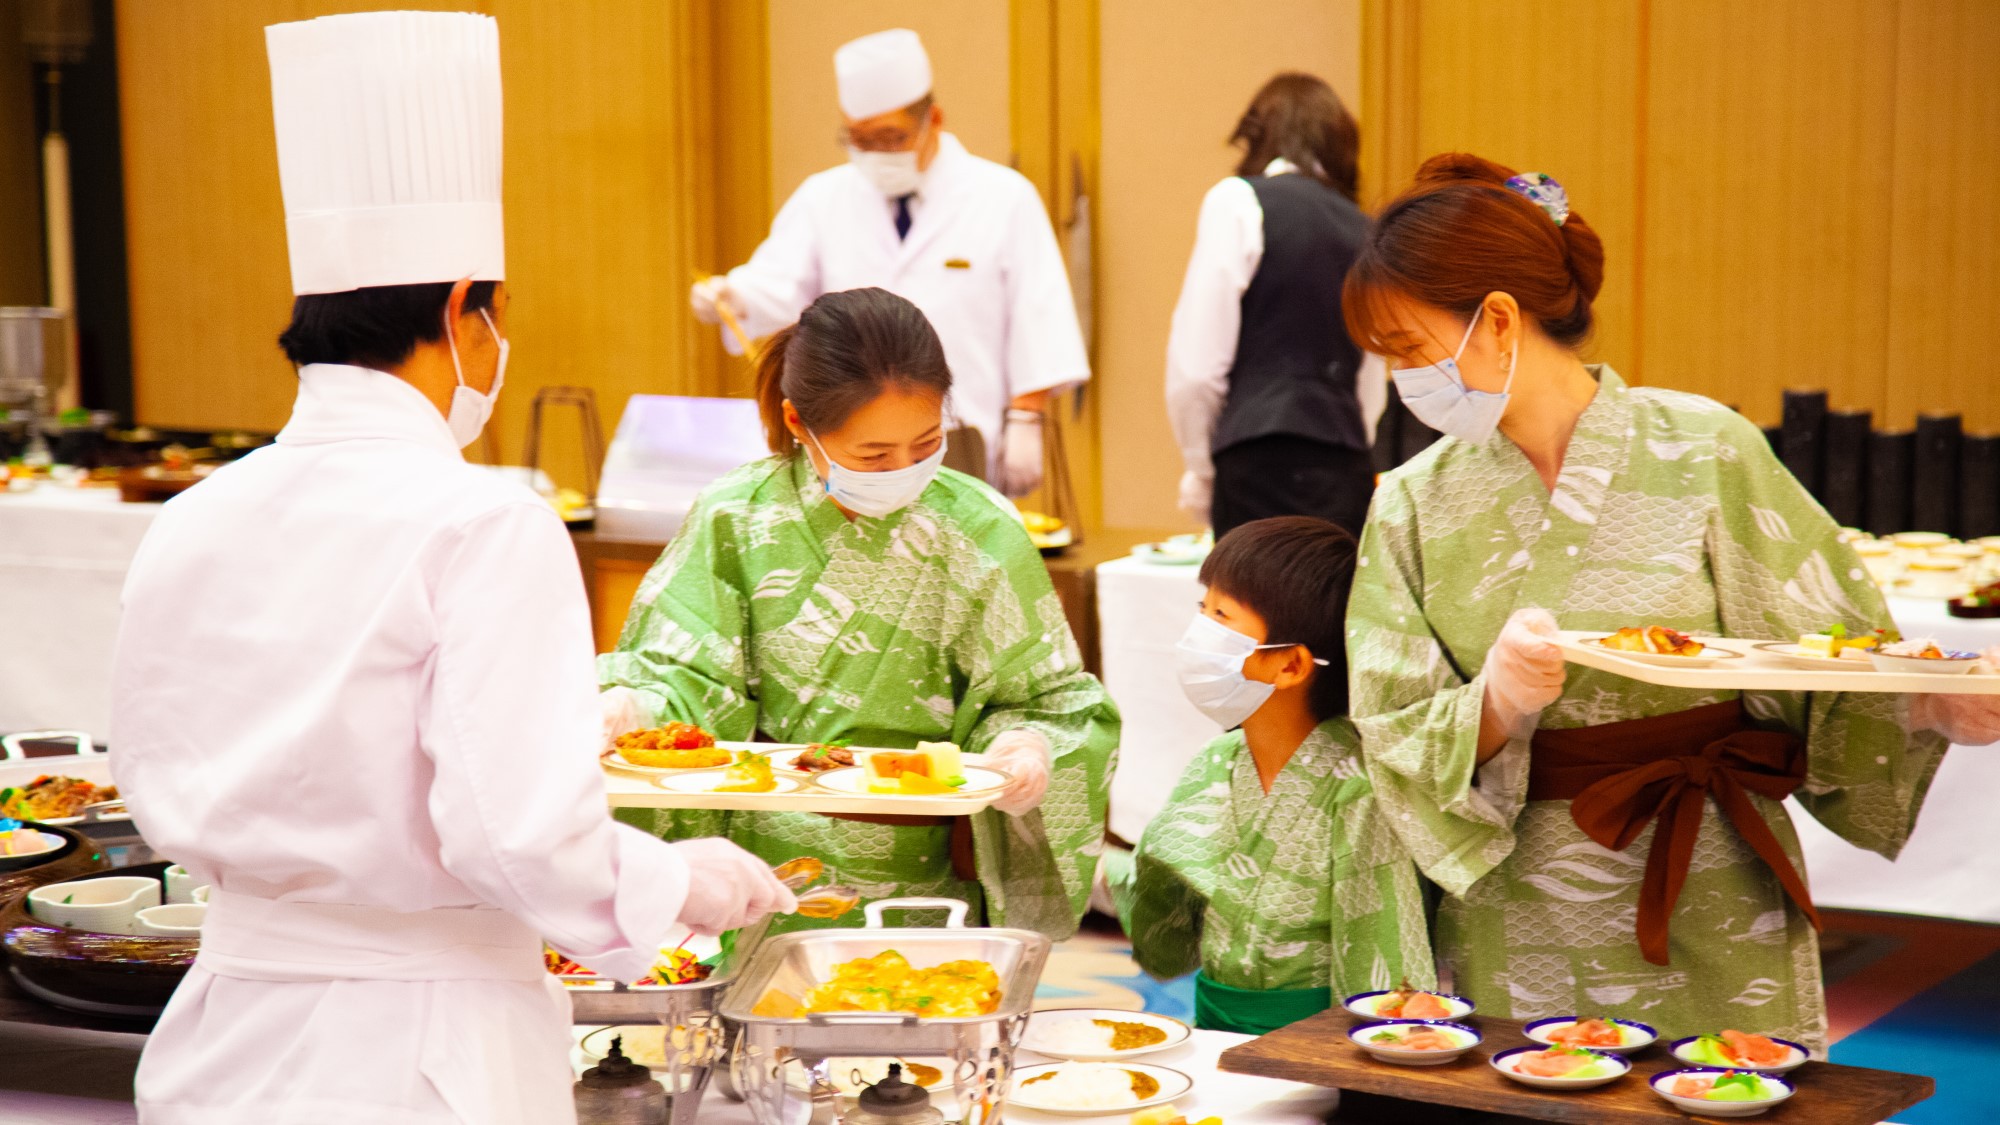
63	557
1945	870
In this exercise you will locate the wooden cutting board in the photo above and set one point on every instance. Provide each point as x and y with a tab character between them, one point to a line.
1317	1051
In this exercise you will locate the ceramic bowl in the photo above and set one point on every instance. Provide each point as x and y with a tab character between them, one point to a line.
1638	1036
1664	1081
46	842
1363	1035
180	884
181	919
109	905
1614	1067
1955	663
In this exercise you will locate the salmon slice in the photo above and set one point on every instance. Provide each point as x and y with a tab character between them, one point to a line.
1551	1064
1424	1006
1424	1039
1692	1086
1589	1033
1755	1050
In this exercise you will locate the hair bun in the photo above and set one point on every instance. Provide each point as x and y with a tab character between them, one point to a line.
1462	167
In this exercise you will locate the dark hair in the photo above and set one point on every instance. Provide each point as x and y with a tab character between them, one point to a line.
845	349
1294	572
374	327
1460	233
1299	117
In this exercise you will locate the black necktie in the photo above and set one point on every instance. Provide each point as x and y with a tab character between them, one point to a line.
903	217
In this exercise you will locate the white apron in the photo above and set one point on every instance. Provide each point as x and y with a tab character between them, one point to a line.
323	1014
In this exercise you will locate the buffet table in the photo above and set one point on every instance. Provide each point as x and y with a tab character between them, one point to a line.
1945	871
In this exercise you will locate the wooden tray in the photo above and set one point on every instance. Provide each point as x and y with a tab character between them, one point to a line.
1758	671
630	790
1317	1051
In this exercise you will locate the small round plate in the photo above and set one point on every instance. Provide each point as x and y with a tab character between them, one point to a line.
979	781
1710	654
616	761
1792	654
1363	1004
705	781
1954	663
1173	1084
1639	1036
1045	1031
1663	1081
1505	1061
781	760
1362	1034
1799	1056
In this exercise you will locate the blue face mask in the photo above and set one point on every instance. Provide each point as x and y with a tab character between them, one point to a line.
1439	398
878	494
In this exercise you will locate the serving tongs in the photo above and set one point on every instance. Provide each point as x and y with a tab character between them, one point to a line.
826	902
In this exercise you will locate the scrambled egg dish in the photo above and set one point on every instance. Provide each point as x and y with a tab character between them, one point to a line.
886	982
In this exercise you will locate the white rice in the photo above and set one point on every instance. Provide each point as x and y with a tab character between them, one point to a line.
1086	1086
1074	1034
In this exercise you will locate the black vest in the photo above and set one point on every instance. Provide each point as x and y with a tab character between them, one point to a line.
1295	367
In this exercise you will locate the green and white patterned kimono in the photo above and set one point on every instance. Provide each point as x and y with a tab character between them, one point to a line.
772	614
1671	510
1301	888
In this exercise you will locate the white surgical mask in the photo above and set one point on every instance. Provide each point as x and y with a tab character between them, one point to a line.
878	494
1439	398
893	174
470	410
1210	656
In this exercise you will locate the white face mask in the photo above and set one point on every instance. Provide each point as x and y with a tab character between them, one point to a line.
894	174
878	494
1210	657
470	409
1439	398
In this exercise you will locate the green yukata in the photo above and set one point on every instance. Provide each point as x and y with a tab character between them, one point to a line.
1286	901
771	614
1669	510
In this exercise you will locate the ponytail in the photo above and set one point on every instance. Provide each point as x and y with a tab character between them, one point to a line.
771	391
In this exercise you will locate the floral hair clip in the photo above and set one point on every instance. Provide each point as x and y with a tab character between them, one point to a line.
1542	190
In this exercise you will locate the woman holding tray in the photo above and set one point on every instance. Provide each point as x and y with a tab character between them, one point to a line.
1608	847
849	588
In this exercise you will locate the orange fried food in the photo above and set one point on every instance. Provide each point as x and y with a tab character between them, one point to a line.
1657	639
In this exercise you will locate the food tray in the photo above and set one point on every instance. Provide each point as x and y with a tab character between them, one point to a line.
1316	1050
594	1000
1756	671
630	790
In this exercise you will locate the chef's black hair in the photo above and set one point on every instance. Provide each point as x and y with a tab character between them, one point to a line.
1294	572
375	327
845	349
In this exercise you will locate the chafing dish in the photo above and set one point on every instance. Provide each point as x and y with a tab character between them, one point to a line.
784	1063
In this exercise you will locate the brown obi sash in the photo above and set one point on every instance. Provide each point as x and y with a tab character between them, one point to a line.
1620	777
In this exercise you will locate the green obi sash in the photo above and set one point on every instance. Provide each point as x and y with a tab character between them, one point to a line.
1218	1007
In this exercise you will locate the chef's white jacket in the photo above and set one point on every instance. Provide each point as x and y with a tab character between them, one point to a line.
354	692
980	260
1208	318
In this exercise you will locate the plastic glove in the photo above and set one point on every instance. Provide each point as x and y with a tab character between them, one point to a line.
728	888
707	294
624	710
1524	671
1197	494
1967	720
1021	454
1024	756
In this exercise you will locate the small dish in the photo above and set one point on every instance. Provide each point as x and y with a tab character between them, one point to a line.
1172	1084
705	781
1954	663
1797	657
1711	653
854	779
1367	1036
180	885
1363	1004
1638	1036
1692	1051
102	906
1603	1069
1050	1032
782	758
181	919
1777	1087
29	847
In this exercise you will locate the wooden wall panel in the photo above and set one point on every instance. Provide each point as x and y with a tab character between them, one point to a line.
1768	180
21	240
1944	270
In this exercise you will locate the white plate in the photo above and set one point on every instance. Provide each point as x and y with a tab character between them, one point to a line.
1710	654
854	779
1702	1107
1798	1057
1363	1004
1401	1056
617	761
705	781
781	759
1538	1030
1173	1084
1797	657
1041	1023
1504	1063
1953	664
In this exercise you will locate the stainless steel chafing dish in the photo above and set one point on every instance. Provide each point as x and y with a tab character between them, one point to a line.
692	1038
784	1064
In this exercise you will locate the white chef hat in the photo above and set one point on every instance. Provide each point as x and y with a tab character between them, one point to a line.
881	72
389	148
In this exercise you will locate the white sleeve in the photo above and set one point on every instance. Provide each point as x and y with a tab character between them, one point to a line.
517	799
1201	347
1044	341
782	277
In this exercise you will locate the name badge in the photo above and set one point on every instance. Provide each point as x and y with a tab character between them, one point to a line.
957	264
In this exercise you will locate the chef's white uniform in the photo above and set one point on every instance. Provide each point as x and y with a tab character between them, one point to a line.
980	260
354	692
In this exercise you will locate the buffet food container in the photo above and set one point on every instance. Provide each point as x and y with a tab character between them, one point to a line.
693	1040
783	1063
120	975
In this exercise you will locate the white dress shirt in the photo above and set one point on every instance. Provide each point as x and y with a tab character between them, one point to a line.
1201	347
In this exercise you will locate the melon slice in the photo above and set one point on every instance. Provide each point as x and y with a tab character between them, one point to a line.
937	762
